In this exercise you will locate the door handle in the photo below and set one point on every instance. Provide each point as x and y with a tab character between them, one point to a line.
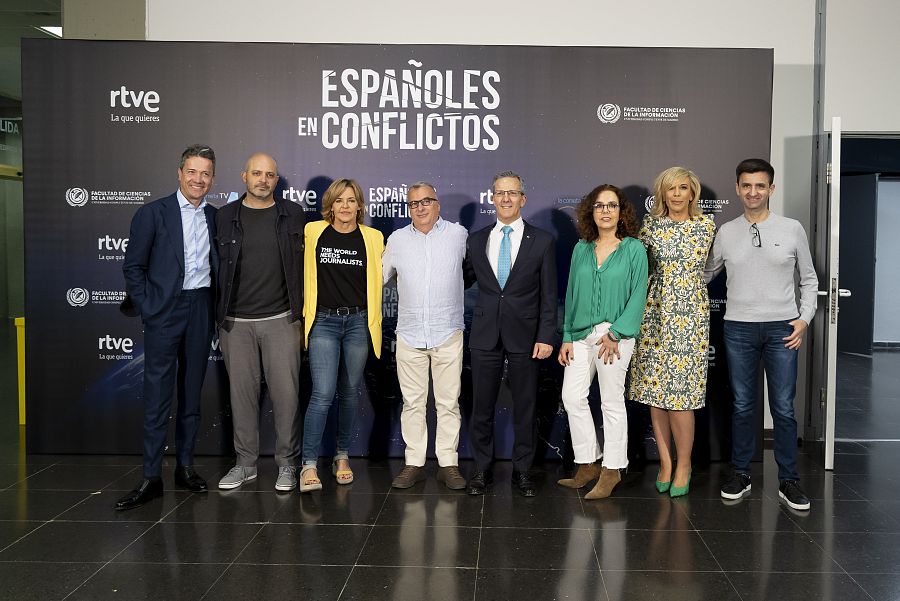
842	292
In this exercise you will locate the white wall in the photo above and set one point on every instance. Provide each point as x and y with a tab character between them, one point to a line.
887	267
788	27
862	47
104	19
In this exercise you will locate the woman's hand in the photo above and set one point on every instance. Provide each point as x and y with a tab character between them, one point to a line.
566	354
609	349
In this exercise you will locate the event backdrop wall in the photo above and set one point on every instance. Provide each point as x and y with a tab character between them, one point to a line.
108	120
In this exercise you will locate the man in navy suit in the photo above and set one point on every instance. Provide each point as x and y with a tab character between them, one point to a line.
514	319
169	277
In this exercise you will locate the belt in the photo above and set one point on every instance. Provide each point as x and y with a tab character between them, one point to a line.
195	291
340	310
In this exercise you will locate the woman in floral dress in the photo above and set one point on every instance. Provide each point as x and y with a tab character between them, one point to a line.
670	360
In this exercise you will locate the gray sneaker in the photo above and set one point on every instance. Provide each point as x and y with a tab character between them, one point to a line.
237	476
287	479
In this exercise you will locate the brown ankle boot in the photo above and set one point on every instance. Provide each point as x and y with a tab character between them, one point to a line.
605	485
586	472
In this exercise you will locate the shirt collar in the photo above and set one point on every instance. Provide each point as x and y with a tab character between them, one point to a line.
768	216
438	226
184	203
517	225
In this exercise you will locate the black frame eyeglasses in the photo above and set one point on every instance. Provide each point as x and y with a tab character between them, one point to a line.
756	239
425	202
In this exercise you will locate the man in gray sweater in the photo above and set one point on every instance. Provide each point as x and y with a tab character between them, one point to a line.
762	254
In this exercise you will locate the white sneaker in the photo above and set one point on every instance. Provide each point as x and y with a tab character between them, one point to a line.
237	476
287	479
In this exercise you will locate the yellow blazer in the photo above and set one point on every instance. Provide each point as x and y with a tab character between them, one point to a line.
374	241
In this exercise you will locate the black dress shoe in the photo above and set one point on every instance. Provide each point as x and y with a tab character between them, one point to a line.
146	491
186	477
479	481
524	483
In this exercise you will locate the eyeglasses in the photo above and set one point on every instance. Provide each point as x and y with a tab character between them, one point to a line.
513	194
425	202
756	238
610	206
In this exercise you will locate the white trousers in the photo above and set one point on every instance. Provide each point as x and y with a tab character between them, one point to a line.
577	379
413	366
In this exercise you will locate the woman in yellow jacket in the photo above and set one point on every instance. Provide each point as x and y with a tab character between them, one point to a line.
341	313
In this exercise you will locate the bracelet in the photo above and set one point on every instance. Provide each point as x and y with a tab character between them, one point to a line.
611	337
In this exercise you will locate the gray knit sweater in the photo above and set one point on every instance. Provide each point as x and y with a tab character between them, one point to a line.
762	280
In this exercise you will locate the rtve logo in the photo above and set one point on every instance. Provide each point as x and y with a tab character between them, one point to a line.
111	343
125	98
109	243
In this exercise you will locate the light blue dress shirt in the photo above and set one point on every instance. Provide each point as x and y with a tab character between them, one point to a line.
196	244
430	284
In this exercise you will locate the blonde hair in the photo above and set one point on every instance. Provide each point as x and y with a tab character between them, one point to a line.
337	188
666	180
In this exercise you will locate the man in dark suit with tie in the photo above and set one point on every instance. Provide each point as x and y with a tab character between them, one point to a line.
514	319
169	277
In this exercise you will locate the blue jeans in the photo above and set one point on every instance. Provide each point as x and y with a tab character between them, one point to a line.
746	343
338	350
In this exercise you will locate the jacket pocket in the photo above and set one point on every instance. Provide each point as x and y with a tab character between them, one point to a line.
225	248
296	242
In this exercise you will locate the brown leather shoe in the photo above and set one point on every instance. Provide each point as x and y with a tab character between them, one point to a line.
605	485
409	476
451	477
586	472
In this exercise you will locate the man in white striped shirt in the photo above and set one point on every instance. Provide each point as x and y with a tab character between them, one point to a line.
427	258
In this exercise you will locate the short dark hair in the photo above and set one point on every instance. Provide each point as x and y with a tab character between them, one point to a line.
755	166
198	150
626	226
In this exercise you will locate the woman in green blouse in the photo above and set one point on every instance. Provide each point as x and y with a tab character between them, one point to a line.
604	306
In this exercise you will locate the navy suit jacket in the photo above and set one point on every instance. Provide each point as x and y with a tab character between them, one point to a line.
154	259
524	311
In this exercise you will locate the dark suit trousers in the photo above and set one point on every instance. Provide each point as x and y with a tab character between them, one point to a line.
487	371
176	352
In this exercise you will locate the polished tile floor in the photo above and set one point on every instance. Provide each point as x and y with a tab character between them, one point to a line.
61	539
868	396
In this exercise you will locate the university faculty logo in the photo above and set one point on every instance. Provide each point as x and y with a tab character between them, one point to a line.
609	113
77	197
78	297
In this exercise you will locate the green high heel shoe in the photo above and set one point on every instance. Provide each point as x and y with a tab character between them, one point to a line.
680	491
662	487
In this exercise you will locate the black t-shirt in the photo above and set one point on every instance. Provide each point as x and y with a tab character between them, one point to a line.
259	289
341	269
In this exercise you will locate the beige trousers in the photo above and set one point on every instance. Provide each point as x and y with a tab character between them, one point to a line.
444	362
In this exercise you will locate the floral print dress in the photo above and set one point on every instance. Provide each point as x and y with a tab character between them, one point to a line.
670	358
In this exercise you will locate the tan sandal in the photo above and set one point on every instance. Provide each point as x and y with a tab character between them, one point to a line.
309	483
341	476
